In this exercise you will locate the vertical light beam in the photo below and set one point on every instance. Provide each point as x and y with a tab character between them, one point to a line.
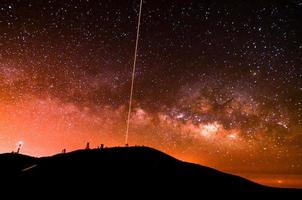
133	72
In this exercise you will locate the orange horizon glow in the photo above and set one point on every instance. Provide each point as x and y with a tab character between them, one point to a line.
216	83
43	127
273	180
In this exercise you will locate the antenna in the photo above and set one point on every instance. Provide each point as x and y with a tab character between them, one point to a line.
19	144
133	72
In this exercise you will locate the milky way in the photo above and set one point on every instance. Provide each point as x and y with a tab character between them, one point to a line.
217	83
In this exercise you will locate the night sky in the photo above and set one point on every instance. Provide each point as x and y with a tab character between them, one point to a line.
218	83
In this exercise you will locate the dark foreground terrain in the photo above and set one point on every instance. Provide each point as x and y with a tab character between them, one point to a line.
124	171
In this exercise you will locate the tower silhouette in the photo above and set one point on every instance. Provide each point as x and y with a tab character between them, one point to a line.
87	146
19	148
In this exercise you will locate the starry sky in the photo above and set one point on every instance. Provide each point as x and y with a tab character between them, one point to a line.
218	83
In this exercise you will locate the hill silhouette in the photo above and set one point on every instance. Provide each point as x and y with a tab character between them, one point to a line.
130	169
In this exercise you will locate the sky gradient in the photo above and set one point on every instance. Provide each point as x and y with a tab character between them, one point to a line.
218	83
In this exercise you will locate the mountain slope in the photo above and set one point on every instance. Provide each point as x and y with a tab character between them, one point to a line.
123	168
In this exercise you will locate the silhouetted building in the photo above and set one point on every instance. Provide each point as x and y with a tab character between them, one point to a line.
87	146
64	151
102	146
19	148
